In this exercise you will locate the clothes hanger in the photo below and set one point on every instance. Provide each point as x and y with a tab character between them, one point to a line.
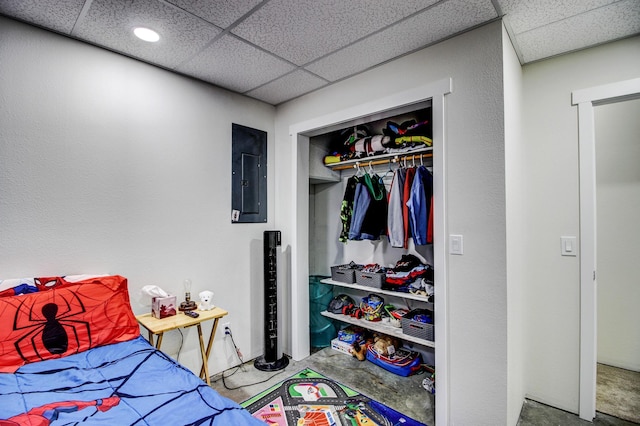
358	169
388	172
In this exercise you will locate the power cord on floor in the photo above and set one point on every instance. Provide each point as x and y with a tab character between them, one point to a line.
227	332
248	384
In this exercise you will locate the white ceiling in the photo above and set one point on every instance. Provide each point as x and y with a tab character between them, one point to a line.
276	50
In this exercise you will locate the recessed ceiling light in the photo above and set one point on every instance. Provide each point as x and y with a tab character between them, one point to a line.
146	34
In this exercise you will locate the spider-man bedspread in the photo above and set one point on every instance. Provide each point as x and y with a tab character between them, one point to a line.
73	354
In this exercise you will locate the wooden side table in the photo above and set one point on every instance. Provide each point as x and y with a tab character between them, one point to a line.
157	327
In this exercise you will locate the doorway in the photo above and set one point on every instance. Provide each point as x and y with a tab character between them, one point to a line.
587	100
618	230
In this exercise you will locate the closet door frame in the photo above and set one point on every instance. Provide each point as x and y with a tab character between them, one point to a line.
587	100
299	291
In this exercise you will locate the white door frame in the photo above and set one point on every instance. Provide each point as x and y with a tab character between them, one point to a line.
299	134
587	99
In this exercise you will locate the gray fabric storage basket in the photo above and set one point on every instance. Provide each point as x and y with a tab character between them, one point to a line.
417	329
371	279
343	273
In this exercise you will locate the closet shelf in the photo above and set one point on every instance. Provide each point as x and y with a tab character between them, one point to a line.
375	160
410	296
380	327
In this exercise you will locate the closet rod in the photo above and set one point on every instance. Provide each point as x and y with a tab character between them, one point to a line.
396	159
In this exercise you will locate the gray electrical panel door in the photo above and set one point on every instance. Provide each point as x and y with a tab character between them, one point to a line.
249	175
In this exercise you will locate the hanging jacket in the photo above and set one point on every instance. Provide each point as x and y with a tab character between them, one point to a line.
430	223
419	204
406	217
346	208
395	221
375	220
361	203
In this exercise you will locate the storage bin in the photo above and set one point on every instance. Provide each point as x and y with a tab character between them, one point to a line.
344	273
417	329
371	279
321	328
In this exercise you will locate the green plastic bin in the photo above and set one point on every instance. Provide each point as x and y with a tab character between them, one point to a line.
322	328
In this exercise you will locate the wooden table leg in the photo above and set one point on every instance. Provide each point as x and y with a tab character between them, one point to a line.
205	357
150	338
210	343
159	341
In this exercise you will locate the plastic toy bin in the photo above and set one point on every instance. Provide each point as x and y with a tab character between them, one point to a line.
370	279
417	329
322	328
343	273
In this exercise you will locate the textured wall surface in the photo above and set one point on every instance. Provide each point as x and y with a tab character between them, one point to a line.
552	295
109	165
476	193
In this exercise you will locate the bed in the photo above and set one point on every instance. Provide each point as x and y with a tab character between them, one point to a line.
71	352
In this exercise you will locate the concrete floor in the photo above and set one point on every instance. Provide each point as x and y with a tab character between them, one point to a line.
404	394
618	392
536	414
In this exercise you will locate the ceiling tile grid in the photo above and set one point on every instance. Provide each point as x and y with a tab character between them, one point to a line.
235	65
222	13
275	50
110	24
425	28
58	15
303	30
288	87
612	22
526	15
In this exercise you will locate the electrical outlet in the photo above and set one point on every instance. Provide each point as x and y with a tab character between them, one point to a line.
226	328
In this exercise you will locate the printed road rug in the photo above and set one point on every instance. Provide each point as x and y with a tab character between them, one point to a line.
311	399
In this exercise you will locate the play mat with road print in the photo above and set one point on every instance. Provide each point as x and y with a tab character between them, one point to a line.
310	399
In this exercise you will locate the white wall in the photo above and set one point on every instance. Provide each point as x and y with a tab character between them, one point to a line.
516	228
476	193
109	165
618	208
552	287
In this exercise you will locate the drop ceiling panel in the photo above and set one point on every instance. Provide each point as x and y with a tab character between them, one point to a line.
246	45
235	65
526	15
110	24
219	12
303	30
439	22
288	87
58	15
615	21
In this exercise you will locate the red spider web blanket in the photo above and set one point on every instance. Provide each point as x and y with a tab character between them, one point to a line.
66	319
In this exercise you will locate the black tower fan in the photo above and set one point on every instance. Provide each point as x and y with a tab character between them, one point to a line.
270	360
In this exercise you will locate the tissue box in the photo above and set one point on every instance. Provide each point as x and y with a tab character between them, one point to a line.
162	307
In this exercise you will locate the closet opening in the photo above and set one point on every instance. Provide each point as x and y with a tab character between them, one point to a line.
311	188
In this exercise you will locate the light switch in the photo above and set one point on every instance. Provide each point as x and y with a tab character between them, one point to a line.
456	244
569	246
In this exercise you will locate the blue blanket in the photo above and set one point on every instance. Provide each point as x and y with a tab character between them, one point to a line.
127	383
